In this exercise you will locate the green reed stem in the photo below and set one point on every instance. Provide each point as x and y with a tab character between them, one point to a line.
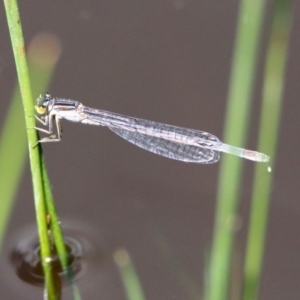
129	275
241	87
15	30
270	120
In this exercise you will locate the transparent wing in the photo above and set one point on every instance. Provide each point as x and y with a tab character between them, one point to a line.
169	149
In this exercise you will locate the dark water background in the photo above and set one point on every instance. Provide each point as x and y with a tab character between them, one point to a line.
167	61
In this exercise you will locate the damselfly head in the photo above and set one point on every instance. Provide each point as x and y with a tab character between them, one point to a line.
41	104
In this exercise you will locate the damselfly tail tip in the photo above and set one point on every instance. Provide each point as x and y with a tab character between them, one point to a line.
263	157
256	156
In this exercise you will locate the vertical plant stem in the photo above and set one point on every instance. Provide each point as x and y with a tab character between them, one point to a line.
43	54
270	119
57	233
236	128
14	24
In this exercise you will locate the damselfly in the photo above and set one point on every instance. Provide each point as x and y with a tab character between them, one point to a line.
173	142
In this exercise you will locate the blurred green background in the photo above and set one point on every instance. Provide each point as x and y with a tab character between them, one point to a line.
169	62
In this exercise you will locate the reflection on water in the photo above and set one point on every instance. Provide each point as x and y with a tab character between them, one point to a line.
25	256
